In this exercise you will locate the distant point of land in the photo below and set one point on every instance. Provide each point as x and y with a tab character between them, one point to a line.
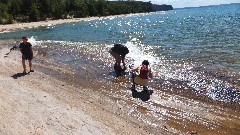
163	7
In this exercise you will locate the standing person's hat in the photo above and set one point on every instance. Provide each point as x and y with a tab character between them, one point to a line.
25	37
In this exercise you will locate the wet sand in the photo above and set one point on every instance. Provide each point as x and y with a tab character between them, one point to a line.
107	104
37	103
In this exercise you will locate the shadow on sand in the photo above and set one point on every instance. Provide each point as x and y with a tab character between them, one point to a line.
117	74
144	95
15	76
6	55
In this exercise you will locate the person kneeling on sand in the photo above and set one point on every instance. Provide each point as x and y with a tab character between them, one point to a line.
27	53
141	75
119	53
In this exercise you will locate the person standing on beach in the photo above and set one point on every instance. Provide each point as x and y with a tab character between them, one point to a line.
119	53
27	53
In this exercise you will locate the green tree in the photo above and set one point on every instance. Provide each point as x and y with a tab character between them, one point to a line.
92	9
5	18
79	8
58	8
46	9
35	10
34	13
15	9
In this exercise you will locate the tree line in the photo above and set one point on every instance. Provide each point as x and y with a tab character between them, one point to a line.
38	10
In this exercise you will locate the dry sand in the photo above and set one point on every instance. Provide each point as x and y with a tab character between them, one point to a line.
18	26
12	27
37	104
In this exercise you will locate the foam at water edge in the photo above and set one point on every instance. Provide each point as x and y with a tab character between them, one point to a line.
137	55
33	41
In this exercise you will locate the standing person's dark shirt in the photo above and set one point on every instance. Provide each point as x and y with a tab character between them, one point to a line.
26	50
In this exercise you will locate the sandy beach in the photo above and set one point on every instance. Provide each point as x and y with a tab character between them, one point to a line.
71	97
37	104
18	26
52	101
21	26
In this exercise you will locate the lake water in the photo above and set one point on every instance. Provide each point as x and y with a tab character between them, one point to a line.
177	43
194	52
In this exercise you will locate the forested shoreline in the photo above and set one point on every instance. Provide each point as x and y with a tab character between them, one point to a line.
12	11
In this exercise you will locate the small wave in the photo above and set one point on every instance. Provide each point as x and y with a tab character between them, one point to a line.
74	53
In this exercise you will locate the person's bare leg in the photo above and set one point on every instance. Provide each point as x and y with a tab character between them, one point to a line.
118	62
30	64
24	65
123	61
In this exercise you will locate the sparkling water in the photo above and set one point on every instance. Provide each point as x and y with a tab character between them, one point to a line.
196	49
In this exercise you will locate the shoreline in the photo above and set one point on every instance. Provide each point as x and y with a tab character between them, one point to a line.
18	26
37	103
72	104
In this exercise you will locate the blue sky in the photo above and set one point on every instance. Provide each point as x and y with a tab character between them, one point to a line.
191	3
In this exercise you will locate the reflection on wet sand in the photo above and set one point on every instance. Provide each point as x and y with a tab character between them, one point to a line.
176	106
